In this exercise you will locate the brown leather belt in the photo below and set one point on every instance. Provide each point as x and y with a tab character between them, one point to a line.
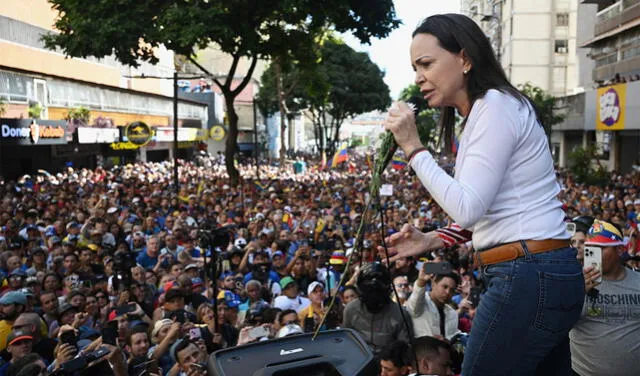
512	251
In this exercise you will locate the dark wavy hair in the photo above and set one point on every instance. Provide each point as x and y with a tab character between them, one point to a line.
457	32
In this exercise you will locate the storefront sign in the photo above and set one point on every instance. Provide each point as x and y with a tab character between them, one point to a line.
610	107
124	146
32	131
138	133
165	134
217	133
87	135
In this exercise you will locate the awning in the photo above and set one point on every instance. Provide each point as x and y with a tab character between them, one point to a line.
611	33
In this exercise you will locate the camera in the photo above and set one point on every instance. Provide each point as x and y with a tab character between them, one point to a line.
75	365
123	261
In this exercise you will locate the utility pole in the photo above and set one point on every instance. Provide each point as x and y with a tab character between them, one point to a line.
175	132
255	139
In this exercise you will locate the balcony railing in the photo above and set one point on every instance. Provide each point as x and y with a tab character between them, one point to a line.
617	14
623	67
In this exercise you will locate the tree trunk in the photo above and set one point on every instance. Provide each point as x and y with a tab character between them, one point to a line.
231	141
283	111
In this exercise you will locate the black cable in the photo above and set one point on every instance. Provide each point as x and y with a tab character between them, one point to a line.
393	287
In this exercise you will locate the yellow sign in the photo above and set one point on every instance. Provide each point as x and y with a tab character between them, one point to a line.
124	146
217	133
138	133
610	108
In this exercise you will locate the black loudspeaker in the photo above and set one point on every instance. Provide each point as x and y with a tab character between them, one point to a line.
333	353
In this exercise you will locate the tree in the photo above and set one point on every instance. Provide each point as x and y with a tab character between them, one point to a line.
545	103
342	84
356	86
132	30
283	85
427	118
581	165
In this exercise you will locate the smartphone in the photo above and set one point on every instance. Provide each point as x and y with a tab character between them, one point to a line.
258	332
474	296
127	308
180	315
195	333
109	335
593	257
69	337
437	267
571	228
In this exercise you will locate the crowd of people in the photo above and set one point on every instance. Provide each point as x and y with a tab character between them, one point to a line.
91	254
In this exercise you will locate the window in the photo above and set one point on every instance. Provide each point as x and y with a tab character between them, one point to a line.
562	19
562	46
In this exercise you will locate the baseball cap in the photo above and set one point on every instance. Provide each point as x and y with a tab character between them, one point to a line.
338	258
158	326
173	293
286	281
19	335
190	266
230	299
65	307
313	286
277	253
289	330
13	297
604	234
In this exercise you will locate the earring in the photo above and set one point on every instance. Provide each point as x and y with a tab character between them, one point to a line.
465	71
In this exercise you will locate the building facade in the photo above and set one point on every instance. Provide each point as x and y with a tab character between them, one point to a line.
607	113
39	83
535	41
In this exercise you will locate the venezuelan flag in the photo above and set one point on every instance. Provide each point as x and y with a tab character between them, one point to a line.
340	155
398	163
259	186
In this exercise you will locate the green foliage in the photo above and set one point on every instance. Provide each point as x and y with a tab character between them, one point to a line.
545	103
581	165
133	29
35	110
427	119
355	142
79	115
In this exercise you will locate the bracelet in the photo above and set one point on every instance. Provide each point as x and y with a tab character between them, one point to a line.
413	153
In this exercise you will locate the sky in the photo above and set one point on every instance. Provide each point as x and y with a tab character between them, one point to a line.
392	53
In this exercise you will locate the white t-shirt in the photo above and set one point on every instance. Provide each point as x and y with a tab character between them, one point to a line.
504	188
284	302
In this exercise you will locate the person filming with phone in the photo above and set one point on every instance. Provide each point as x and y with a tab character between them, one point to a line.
430	311
606	336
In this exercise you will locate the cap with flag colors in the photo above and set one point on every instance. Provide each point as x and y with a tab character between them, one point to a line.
604	234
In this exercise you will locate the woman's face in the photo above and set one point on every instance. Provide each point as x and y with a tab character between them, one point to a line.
207	315
348	296
253	292
91	305
439	73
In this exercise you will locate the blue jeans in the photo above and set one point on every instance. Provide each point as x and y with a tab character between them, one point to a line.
522	324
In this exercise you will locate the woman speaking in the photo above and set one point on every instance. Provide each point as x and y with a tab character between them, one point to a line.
502	197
